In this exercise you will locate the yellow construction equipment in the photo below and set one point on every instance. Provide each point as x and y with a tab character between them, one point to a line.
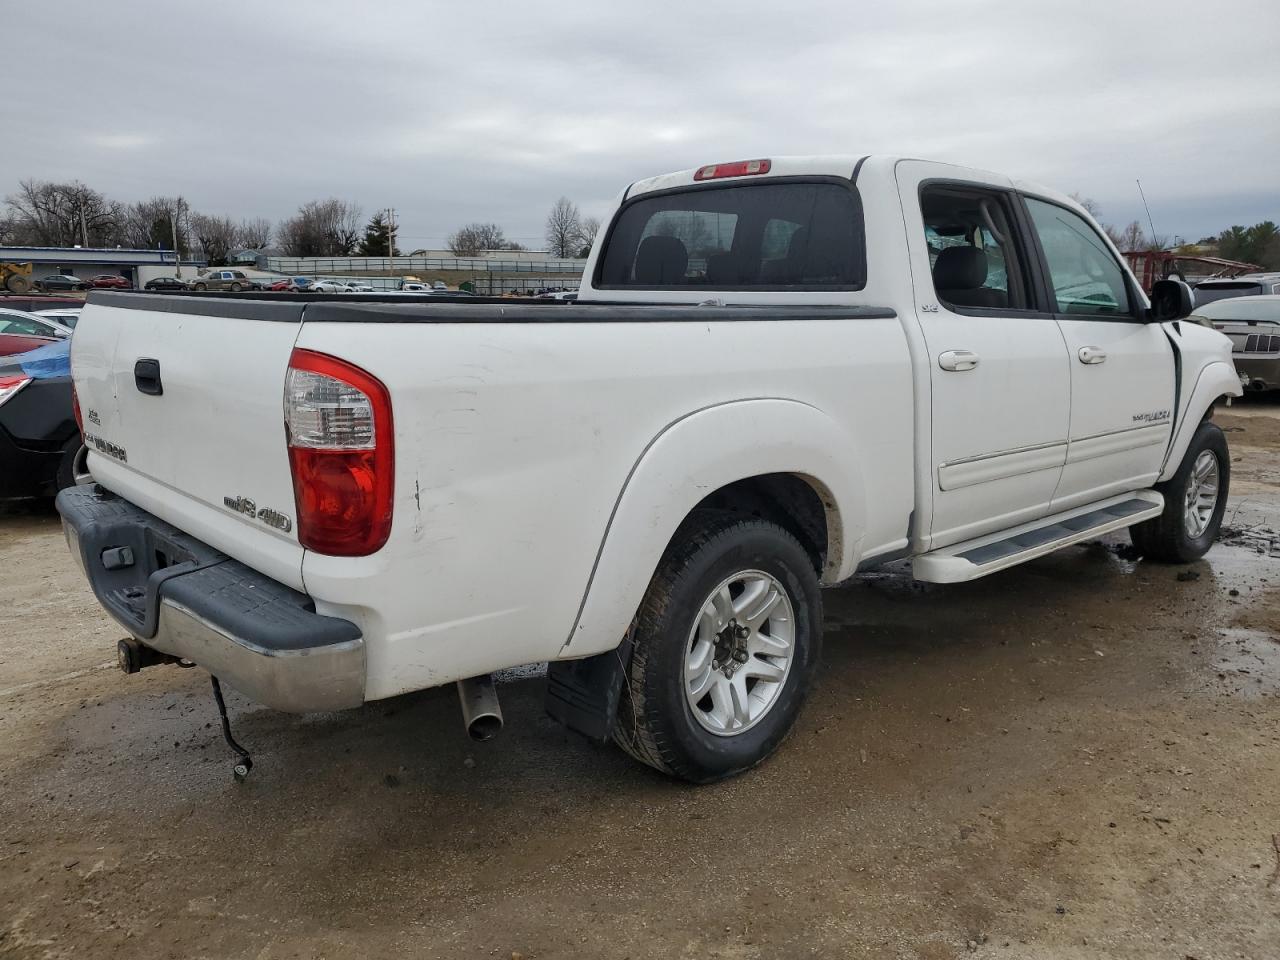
16	277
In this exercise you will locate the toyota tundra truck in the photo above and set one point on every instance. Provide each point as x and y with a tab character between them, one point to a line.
778	373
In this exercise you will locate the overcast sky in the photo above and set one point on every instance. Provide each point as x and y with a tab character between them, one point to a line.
490	111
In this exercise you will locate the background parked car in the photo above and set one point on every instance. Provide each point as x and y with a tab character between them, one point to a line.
233	280
359	286
328	286
165	283
40	447
32	304
1245	285
280	286
67	316
1253	324
111	281
62	282
300	284
11	343
18	321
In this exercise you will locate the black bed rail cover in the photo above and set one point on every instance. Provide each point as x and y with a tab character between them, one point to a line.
371	308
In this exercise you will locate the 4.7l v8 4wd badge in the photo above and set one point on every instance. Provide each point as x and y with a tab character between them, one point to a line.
272	518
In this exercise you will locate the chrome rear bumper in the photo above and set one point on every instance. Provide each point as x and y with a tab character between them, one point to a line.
181	597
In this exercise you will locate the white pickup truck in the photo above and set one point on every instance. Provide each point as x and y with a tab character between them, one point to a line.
777	373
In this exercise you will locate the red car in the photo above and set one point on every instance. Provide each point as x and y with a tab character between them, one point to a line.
14	343
281	285
111	282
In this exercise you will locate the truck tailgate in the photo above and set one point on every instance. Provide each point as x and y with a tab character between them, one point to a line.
182	400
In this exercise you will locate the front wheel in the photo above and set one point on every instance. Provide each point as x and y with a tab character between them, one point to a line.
1194	500
725	647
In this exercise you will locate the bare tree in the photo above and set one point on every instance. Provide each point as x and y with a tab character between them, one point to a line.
216	237
1090	205
254	234
474	237
590	227
1132	237
564	229
321	228
63	215
151	224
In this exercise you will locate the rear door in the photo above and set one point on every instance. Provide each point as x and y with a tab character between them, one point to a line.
1000	381
1122	368
183	406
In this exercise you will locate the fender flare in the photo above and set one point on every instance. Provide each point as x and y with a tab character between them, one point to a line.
1216	379
693	457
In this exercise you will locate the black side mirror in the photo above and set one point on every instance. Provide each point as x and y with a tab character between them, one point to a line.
1170	300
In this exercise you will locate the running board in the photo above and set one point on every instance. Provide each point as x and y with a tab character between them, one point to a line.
1008	548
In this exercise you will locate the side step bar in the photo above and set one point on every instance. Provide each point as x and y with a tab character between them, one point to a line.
1008	548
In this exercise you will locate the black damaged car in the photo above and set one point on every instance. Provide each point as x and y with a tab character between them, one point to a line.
40	445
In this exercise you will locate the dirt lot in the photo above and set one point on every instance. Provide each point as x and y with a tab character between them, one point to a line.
1077	758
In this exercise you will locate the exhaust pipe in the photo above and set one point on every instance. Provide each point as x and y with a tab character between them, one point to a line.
480	710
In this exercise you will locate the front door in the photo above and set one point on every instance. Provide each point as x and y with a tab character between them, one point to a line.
999	375
1122	368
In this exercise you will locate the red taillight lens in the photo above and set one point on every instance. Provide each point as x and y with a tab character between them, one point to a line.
10	385
75	409
341	453
739	168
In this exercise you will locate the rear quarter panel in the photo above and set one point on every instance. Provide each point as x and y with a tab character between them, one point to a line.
514	443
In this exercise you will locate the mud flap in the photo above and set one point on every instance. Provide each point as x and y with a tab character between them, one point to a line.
584	694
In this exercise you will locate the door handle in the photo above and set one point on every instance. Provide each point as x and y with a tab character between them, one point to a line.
958	360
1092	355
146	377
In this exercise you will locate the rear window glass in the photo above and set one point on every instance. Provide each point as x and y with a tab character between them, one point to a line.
756	236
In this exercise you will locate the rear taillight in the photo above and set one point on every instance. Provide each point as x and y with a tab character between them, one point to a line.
10	385
739	168
75	409
338	421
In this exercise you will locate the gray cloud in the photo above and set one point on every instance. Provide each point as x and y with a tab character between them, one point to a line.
461	112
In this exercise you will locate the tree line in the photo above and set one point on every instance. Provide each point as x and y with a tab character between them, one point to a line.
1258	244
49	214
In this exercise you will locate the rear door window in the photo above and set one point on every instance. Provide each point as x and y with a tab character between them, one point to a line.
780	235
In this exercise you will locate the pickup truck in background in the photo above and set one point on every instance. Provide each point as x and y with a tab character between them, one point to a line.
777	373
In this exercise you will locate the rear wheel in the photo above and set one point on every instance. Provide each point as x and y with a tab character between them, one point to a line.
726	645
236	288
1194	500
17	283
201	286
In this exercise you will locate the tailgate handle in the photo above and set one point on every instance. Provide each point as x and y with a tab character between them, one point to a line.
146	374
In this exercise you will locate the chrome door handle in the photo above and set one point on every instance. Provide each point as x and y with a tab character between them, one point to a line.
1092	355
958	360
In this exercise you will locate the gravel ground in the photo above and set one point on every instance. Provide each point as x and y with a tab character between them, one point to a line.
1076	758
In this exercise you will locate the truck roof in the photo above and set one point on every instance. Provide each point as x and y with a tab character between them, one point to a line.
837	165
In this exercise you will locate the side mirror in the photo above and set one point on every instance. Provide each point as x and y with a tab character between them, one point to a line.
1170	300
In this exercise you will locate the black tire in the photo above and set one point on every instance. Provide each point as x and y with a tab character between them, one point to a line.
655	722
1166	538
17	284
236	288
200	286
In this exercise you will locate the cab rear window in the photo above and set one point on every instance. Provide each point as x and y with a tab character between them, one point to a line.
760	236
